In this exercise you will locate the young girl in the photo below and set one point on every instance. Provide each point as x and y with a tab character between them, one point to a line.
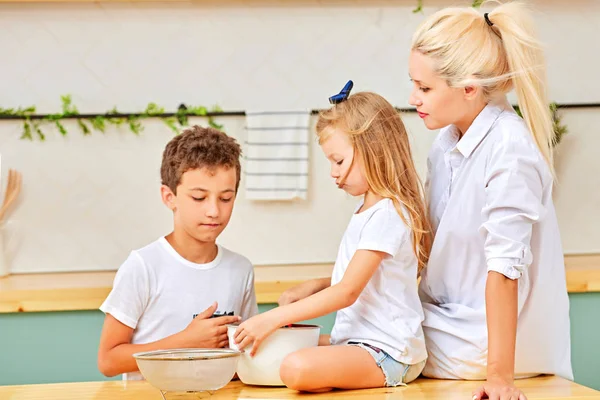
494	291
377	339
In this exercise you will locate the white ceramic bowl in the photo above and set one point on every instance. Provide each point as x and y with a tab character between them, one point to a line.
188	370
263	368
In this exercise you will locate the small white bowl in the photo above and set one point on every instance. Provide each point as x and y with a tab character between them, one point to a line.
188	370
263	368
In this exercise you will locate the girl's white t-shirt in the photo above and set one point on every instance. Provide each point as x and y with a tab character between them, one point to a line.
388	313
157	292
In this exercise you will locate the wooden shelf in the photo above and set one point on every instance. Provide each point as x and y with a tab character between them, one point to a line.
583	273
87	290
68	291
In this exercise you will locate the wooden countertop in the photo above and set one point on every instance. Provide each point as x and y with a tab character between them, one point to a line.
87	290
541	388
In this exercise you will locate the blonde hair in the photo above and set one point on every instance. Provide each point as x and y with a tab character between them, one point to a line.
497	58
380	141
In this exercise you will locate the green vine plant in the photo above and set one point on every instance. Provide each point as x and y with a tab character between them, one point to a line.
32	127
419	8
560	130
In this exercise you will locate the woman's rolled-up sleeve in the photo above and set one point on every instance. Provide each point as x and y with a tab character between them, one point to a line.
514	190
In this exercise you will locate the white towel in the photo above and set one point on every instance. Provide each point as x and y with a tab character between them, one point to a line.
276	153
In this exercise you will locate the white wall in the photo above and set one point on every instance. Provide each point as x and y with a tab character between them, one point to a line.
87	201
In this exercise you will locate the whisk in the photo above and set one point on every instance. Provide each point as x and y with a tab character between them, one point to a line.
13	188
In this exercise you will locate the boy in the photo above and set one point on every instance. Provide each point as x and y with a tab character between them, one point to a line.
165	294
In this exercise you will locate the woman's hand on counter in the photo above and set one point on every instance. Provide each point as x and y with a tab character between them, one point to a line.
498	389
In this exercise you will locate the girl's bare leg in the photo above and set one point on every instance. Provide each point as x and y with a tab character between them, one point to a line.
320	369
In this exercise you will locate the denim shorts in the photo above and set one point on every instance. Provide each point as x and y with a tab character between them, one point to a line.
395	372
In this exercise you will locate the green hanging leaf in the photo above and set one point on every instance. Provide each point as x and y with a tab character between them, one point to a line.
477	3
518	111
559	129
36	127
198	111
215	109
27	111
99	123
26	130
152	109
171	122
84	128
135	125
419	7
117	121
213	124
61	128
183	120
182	116
67	106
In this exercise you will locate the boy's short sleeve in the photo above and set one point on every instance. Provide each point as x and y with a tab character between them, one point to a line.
249	305
384	231
130	293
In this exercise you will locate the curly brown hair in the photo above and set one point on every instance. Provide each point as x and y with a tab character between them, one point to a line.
198	147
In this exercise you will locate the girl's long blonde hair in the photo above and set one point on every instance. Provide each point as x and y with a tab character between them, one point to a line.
497	58
381	143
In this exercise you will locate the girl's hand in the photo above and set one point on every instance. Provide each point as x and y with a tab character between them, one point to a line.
254	330
498	389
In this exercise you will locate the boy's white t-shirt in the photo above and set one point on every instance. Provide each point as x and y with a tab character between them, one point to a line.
157	292
388	312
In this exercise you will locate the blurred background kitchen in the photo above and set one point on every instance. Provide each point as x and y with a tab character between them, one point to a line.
88	198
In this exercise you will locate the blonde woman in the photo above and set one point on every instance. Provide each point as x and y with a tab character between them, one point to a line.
377	338
494	292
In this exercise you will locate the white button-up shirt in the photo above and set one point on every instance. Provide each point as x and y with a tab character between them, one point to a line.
490	205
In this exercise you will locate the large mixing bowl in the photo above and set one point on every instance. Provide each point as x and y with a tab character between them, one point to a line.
188	370
263	368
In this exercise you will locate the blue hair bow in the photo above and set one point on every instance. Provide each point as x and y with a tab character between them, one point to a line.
343	94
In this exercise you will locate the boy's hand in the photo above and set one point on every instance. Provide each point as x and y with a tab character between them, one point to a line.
291	295
206	332
254	331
